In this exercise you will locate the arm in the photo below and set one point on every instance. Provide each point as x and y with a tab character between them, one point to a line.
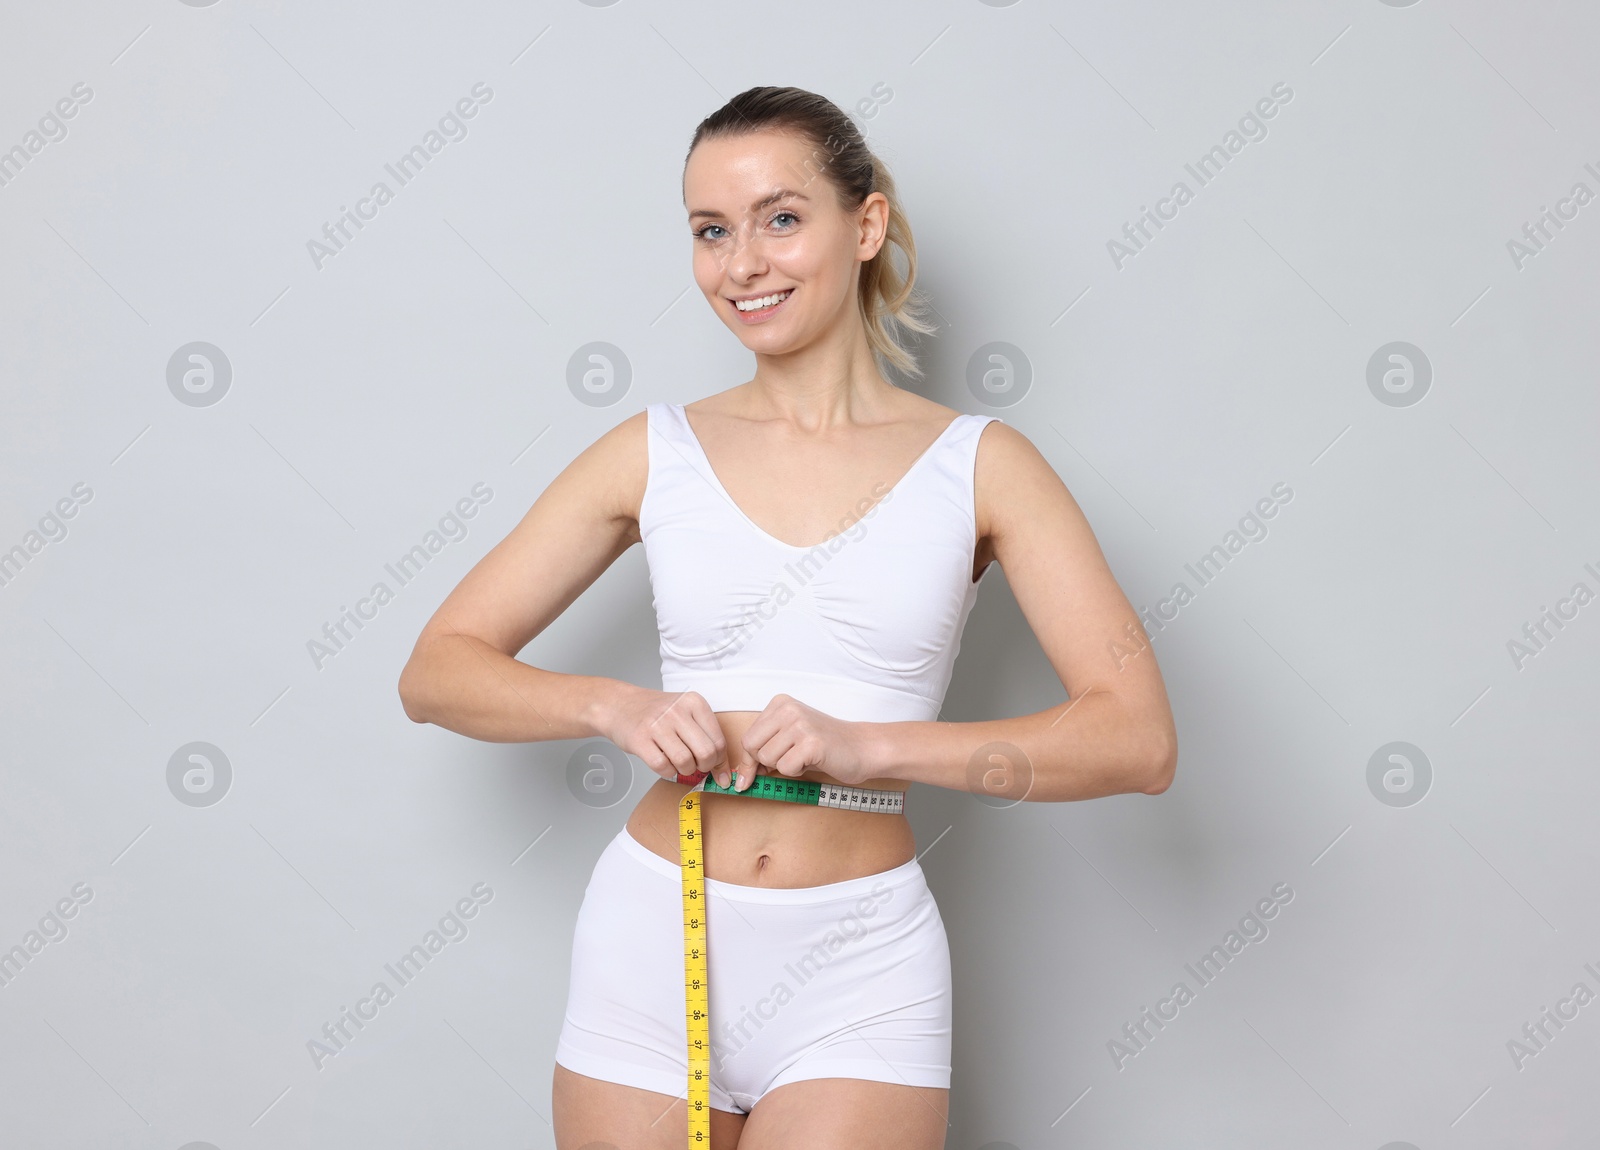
463	673
1115	735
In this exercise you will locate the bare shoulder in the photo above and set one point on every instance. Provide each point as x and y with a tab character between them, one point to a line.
1015	484
1003	447
618	463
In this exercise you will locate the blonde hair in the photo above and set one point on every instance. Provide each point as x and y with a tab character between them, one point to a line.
887	300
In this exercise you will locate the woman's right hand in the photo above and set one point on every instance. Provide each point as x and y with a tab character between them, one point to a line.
673	733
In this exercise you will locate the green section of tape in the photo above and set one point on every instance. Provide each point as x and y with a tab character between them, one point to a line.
804	791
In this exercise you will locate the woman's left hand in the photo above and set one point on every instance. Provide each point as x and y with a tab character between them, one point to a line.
789	737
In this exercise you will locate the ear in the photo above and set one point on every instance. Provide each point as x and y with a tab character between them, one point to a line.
873	215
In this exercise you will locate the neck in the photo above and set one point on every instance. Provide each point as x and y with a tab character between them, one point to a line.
832	381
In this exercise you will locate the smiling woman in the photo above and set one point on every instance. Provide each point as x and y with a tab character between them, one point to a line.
820	167
816	538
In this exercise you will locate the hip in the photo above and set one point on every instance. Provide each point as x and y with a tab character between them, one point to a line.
846	979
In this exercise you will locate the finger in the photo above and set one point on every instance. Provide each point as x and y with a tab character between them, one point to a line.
765	725
677	753
794	761
708	758
773	750
759	733
690	718
704	734
656	759
698	743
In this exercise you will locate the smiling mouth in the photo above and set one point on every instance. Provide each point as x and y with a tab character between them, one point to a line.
762	305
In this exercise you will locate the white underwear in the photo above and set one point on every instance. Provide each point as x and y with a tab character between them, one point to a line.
846	980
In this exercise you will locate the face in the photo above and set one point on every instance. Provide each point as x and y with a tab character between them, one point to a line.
765	221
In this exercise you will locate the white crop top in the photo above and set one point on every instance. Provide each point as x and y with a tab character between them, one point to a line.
864	626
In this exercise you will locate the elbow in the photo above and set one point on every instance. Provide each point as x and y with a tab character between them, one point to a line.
1157	783
1160	768
410	692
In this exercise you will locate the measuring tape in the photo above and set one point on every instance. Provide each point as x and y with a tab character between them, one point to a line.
691	852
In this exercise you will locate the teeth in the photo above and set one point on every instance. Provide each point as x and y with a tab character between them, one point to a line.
763	301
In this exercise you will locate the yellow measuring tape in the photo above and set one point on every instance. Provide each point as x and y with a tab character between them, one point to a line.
696	985
691	853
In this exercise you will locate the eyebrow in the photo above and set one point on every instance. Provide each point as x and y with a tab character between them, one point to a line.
779	194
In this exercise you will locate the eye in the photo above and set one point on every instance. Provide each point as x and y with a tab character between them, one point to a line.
701	234
786	212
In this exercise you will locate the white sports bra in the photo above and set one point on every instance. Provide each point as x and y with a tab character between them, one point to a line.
864	626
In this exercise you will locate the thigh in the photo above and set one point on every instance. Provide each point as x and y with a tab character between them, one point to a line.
590	1114
847	1114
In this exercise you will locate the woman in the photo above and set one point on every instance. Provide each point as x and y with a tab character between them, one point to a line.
814	539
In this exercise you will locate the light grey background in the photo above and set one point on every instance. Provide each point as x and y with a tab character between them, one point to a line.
1171	393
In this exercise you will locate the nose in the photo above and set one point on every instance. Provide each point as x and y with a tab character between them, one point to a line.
745	257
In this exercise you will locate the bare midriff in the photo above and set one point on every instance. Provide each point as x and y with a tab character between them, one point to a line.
764	842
